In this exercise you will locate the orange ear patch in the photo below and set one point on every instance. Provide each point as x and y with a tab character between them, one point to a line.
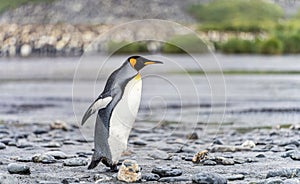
132	61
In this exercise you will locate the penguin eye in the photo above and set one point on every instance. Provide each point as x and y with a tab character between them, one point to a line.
132	62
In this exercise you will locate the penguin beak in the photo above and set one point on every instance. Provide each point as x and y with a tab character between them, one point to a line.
152	62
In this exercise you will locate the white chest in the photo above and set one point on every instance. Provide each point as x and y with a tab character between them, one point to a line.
123	117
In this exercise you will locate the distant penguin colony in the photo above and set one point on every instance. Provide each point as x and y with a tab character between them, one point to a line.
117	108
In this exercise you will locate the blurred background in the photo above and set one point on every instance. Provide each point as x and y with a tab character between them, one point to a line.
46	43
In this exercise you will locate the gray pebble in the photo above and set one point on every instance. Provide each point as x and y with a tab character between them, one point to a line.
157	154
52	145
15	168
102	178
218	142
24	144
43	158
287	154
235	177
209	162
174	179
150	177
8	179
49	182
260	155
24	159
6	140
288	173
138	142
57	154
39	131
271	181
2	146
295	155
166	171
70	180
12	143
209	178
292	181
74	162
224	161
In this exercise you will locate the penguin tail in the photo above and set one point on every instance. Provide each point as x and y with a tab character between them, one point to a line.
94	163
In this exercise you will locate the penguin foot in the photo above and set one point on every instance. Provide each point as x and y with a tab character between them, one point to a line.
93	164
114	168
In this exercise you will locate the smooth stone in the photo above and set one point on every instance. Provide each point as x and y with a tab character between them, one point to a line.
235	177
12	143
174	179
157	154
224	161
49	182
288	173
166	171
290	147
223	148
129	171
52	145
271	181
70	180
275	148
260	155
69	142
24	159
295	155
74	162
40	131
248	144
192	136
289	142
209	178
6	140
8	179
57	154
99	178
209	162
24	144
15	168
288	154
58	124
150	177
176	158
43	158
138	142
218	142
2	146
292	181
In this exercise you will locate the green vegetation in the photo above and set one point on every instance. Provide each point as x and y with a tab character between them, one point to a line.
271	46
238	46
236	15
10	4
126	47
184	43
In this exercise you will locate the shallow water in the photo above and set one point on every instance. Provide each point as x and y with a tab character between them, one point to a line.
44	89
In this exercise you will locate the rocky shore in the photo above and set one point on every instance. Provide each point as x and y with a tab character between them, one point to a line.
58	153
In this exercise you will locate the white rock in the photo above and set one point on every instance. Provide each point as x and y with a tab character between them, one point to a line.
25	50
129	171
248	144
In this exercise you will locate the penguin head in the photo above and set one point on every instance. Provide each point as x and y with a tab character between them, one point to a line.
138	62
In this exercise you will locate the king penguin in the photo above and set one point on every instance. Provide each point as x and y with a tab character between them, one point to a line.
117	108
